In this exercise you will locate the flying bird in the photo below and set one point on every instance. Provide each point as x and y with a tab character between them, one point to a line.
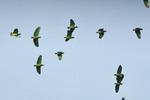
59	54
119	71
69	35
36	36
38	65
119	79
123	98
15	33
101	32
72	25
137	31
146	2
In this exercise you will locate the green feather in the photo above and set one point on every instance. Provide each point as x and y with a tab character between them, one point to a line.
101	35
138	33
119	70
38	68
15	30
146	2
72	23
37	31
39	61
119	78
117	88
36	42
123	98
60	56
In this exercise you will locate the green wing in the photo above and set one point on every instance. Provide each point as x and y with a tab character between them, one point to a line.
120	78
69	33
36	42
37	31
101	30
39	59
15	30
38	69
101	35
117	88
72	24
138	33
59	56
123	98
146	2
119	70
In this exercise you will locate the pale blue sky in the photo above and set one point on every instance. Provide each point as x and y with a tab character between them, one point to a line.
86	71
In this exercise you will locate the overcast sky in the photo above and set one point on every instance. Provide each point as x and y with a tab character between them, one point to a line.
86	71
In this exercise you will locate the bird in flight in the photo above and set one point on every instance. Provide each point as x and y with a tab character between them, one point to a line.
101	32
137	31
38	64
59	54
15	33
36	37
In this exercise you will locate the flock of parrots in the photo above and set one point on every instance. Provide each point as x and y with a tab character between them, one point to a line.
119	75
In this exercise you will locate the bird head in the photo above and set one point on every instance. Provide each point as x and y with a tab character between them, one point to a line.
68	27
11	34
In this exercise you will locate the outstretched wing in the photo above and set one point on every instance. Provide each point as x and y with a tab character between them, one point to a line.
15	30
146	2
138	33
39	59
36	42
38	69
119	70
123	98
37	31
101	29
72	23
120	78
101	35
59	56
69	33
117	88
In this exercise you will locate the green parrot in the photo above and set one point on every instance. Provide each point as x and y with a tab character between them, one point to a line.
59	54
119	71
123	98
137	31
101	32
69	35
146	2
36	36
119	79
15	33
72	25
38	65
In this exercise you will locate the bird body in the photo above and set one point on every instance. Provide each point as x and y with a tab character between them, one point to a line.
36	37
119	78
59	54
69	35
72	25
38	65
15	33
137	31
101	33
119	71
